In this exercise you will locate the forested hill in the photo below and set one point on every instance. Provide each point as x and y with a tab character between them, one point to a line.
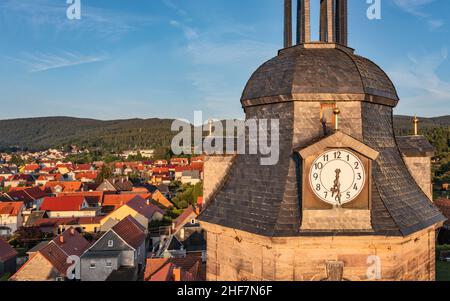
49	132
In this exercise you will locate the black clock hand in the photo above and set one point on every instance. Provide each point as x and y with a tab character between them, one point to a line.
336	189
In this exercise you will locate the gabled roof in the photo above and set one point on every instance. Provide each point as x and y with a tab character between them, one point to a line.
66	186
118	200
162	269
185	217
140	205
130	231
26	195
57	251
73	243
338	139
10	208
6	251
64	203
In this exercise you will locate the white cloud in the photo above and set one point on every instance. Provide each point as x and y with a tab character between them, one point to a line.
39	62
45	14
189	32
427	92
417	8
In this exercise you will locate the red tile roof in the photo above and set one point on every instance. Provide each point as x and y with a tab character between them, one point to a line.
184	217
118	200
26	195
58	250
64	203
10	208
162	269
67	186
130	231
6	251
31	167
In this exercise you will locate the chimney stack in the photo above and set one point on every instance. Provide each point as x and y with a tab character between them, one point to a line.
303	21
176	274
61	239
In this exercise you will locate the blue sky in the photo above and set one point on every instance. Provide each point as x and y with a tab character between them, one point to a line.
167	58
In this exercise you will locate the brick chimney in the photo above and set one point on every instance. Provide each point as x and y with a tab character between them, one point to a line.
176	274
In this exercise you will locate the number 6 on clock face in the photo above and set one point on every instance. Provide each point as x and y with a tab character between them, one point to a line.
337	176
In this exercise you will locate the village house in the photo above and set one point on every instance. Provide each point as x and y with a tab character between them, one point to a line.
174	269
5	172
140	209
17	180
68	206
186	238
42	180
116	185
63	186
179	161
8	259
86	177
11	217
31	169
121	247
51	262
191	177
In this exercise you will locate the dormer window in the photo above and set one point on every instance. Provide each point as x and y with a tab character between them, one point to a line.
110	243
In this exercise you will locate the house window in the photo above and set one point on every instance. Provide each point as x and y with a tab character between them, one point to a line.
109	264
110	243
59	279
92	265
193	221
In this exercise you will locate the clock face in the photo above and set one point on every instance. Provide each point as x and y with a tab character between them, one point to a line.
337	176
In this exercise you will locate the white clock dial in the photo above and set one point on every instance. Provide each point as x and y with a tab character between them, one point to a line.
337	176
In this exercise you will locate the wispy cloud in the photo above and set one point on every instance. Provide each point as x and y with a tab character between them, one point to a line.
189	32
45	14
417	8
39	62
419	77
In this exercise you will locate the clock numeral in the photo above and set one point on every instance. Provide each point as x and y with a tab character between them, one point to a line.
356	165
348	158
359	176
318	187
318	166
326	194
349	195
326	158
337	155
355	187
316	176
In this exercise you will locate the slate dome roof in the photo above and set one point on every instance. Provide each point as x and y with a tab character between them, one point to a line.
299	72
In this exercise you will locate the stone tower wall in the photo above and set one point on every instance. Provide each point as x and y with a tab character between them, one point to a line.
235	255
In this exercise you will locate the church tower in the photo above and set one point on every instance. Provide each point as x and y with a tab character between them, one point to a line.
340	204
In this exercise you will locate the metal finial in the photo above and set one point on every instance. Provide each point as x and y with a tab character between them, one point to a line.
210	123
416	125
336	113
